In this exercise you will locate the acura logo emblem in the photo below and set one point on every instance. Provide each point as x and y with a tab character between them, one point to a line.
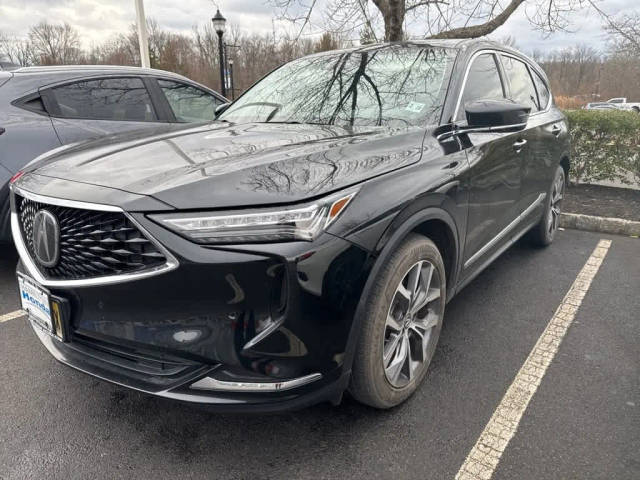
46	238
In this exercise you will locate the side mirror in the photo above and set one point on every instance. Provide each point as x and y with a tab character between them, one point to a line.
496	115
222	108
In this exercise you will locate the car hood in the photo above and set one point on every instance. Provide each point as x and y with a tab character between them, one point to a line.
227	165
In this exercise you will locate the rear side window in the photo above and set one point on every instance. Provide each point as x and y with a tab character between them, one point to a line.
483	82
106	99
189	104
32	103
522	89
543	91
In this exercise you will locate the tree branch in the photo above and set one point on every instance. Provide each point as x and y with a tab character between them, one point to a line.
306	18
486	28
614	27
424	3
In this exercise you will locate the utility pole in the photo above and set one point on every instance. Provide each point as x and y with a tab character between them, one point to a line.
143	36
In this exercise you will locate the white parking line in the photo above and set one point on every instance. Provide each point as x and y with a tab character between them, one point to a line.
12	315
485	455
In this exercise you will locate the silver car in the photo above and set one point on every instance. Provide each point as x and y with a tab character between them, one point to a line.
600	106
42	108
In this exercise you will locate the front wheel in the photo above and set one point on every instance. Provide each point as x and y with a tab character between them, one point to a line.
401	325
545	231
5	224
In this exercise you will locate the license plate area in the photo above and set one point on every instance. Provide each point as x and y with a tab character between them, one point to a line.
46	311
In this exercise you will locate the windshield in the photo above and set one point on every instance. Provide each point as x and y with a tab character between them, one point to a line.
393	86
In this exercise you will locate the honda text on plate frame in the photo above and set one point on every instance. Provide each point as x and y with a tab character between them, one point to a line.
305	243
35	300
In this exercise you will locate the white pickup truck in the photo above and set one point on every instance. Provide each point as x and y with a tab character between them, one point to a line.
622	104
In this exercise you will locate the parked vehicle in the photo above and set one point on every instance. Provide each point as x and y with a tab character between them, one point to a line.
8	66
622	104
304	243
600	106
42	108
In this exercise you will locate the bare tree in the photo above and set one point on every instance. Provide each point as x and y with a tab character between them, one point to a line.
327	42
626	32
55	44
436	18
580	74
16	50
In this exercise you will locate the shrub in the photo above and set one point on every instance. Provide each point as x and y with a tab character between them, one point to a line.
605	145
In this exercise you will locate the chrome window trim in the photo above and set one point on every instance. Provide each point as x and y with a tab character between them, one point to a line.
171	263
503	233
504	128
497	52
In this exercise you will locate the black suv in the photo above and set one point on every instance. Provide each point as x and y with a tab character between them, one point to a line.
304	243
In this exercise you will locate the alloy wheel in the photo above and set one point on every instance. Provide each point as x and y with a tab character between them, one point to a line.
557	193
412	317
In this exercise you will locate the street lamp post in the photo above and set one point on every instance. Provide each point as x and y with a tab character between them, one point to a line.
219	25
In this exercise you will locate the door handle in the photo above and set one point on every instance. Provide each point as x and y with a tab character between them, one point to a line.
555	130
517	146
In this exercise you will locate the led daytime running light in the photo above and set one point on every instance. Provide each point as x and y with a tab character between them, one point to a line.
303	223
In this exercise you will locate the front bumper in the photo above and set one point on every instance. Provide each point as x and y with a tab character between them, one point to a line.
89	361
258	327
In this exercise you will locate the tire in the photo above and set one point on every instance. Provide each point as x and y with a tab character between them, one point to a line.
545	231
5	224
386	313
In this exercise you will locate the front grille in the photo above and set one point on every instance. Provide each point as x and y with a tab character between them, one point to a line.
92	243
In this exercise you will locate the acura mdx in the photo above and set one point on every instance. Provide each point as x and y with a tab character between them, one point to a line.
306	242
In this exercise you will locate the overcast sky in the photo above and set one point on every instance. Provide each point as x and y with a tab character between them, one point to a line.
97	20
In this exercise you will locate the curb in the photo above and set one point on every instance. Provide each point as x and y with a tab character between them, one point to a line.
616	226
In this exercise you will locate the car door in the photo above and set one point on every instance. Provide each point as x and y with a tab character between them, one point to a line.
540	153
189	103
93	107
550	128
495	165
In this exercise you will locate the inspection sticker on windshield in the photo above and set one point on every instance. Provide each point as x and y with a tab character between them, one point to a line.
35	300
415	107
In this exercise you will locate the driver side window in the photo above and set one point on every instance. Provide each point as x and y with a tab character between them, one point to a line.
189	104
483	83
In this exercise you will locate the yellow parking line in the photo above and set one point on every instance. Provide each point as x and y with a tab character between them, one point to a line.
12	315
484	457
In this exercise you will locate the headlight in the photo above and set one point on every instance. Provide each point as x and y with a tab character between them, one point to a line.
268	225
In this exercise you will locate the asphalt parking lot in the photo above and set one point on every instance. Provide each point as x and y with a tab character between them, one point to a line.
583	421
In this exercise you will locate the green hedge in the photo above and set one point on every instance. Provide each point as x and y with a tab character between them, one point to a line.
605	145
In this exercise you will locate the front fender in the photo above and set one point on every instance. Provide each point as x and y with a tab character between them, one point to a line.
400	226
